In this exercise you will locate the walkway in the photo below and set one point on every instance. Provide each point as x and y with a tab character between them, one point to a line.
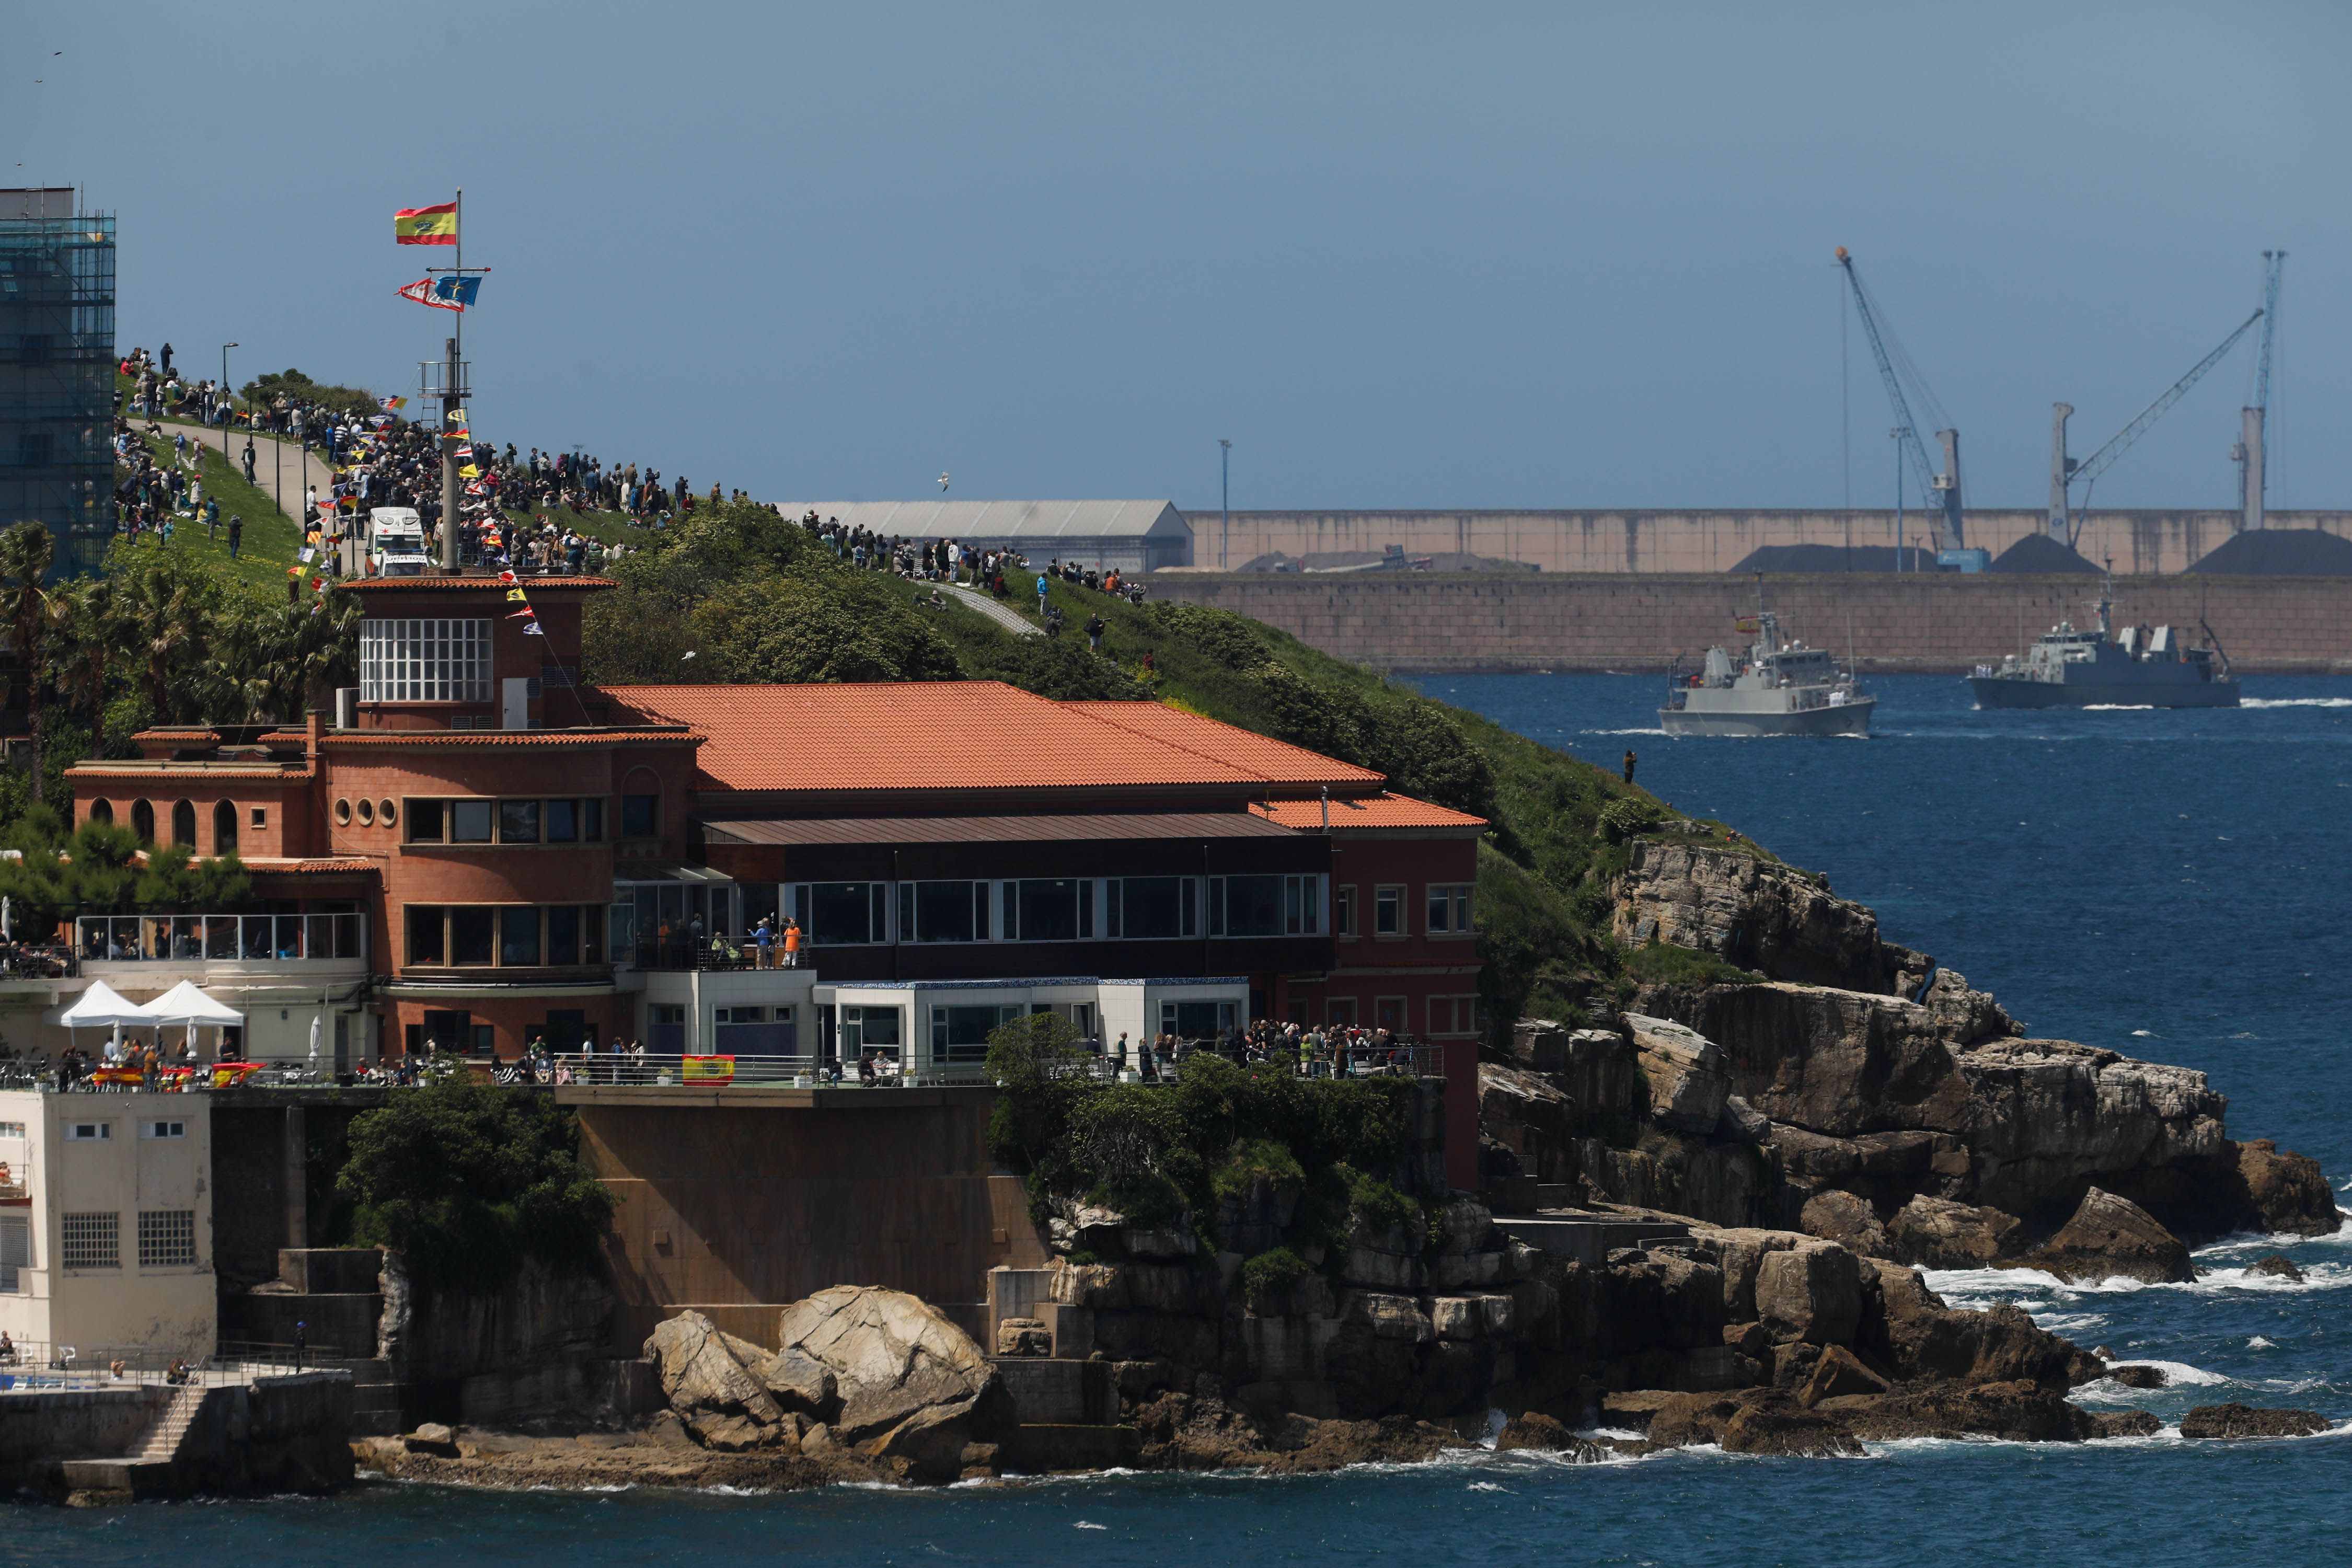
282	479
1004	616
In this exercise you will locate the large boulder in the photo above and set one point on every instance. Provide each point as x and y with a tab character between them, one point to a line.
2045	1116
2110	1237
1937	1233
1838	1063
1812	1292
1846	1219
1684	1071
2288	1193
707	1386
1910	1329
894	1360
1756	913
2248	1421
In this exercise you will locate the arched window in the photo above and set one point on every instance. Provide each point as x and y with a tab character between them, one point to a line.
224	827
183	823
102	811
142	821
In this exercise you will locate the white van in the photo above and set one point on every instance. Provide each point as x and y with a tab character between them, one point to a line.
396	543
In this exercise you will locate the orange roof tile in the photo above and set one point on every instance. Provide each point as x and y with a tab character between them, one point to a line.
1377	811
1275	762
456	583
607	736
951	735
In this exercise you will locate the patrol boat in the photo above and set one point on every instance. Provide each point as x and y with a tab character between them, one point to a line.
2103	669
1779	688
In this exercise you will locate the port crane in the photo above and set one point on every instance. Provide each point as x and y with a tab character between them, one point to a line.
2066	518
2253	481
1944	487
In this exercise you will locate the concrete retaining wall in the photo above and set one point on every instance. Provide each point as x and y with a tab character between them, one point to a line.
1937	623
1703	540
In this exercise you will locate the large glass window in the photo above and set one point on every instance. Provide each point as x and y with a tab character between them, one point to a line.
470	821
1050	911
640	816
564	934
563	822
425	943
1254	906
949	912
1146	907
469	935
426	821
961	1034
518	822
425	660
841	913
519	935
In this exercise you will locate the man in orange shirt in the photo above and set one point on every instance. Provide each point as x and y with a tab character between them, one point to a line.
792	944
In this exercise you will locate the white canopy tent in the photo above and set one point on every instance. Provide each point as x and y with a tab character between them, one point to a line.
184	1004
103	1007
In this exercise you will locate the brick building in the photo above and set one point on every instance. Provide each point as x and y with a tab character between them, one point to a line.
484	852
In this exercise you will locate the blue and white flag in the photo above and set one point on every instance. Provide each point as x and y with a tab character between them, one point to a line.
455	291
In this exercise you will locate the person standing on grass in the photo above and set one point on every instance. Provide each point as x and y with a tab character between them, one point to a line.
212	518
236	534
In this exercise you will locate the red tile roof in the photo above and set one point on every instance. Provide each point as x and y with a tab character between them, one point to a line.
327	865
466	739
457	582
1276	762
957	735
1377	811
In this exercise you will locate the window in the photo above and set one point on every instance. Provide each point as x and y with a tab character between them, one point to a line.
425	821
425	944
1053	910
224	827
563	822
1449	909
12	1130
518	936
91	1240
1454	1014
15	1251
961	1034
1339	1012
518	822
101	811
844	913
89	1132
1387	911
1266	906
425	660
184	822
469	935
260	816
640	816
142	821
167	1238
1196	1020
1343	910
1142	909
469	821
564	934
163	1130
942	912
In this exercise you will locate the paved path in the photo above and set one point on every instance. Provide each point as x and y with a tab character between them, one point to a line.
282	480
1003	614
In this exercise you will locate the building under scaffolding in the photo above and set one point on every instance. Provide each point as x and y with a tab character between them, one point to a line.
57	371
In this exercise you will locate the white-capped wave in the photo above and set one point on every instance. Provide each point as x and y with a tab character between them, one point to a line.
2294	701
2176	1374
1487	1487
2118	707
2259	1343
1088	1524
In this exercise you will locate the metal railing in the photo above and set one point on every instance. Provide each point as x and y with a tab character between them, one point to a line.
40	1366
190	939
678	952
652	1070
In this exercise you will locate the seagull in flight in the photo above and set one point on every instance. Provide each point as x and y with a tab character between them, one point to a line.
943	481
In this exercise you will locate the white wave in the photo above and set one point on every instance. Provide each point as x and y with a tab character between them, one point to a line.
2259	1343
2176	1374
1088	1524
2294	701
2118	707
1621	731
1487	1487
2144	1034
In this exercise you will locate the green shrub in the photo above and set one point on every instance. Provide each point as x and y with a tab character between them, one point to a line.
1662	964
468	1180
1257	1160
1622	818
1268	1279
1381	1204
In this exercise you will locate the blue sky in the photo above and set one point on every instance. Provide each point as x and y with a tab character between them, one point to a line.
1408	256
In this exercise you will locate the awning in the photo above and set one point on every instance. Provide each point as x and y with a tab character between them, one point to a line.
183	1004
1127	829
103	1007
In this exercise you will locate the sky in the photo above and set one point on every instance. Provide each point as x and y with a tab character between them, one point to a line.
1461	255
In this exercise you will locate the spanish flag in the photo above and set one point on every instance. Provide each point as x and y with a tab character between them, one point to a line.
425	225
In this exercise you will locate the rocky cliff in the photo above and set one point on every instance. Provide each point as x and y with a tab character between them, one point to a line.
1865	1094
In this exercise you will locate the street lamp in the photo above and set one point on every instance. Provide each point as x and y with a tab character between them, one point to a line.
1897	436
223	399
1225	499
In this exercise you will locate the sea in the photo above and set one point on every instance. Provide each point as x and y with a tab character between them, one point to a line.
2172	885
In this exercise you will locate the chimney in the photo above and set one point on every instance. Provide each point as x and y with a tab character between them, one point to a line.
318	727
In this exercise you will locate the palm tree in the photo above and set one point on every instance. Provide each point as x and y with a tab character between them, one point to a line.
88	618
162	609
26	552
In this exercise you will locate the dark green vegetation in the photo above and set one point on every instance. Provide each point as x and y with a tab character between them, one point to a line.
1219	1141
296	387
95	870
469	1180
159	638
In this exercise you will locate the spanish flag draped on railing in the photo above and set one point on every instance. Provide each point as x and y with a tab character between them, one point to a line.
425	225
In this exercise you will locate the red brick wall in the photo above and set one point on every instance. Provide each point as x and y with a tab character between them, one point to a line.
1937	623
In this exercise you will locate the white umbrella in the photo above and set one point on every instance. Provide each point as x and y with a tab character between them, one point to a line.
317	1028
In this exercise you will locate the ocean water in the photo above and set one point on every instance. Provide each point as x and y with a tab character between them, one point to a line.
2172	885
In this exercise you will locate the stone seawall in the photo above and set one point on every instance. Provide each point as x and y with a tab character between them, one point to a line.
1703	540
1934	624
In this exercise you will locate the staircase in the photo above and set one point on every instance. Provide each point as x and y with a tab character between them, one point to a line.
146	1471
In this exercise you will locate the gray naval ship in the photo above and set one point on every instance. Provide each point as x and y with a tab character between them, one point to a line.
2102	668
1779	688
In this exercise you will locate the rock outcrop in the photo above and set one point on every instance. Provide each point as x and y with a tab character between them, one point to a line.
1755	913
2247	1421
2111	1236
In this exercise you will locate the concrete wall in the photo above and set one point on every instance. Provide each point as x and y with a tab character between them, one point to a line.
1702	540
1938	623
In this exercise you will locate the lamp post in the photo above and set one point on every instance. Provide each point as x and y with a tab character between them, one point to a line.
1897	436
224	400
1225	499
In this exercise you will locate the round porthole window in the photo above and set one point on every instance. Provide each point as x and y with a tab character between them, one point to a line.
386	812
344	812
367	812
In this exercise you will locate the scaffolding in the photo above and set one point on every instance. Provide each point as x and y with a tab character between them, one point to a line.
57	372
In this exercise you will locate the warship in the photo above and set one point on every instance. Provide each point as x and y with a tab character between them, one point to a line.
1779	688
2099	667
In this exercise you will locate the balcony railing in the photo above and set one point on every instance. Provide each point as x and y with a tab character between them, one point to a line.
684	953
192	939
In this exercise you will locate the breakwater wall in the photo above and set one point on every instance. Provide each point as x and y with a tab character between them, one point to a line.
2139	543
1929	624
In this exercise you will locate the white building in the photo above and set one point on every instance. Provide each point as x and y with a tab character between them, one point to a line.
106	1222
1131	535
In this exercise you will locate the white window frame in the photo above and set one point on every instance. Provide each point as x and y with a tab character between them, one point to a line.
425	660
1448	907
89	1229
163	1130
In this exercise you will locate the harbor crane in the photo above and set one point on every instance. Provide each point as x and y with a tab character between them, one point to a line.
2248	453
2066	519
1945	487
